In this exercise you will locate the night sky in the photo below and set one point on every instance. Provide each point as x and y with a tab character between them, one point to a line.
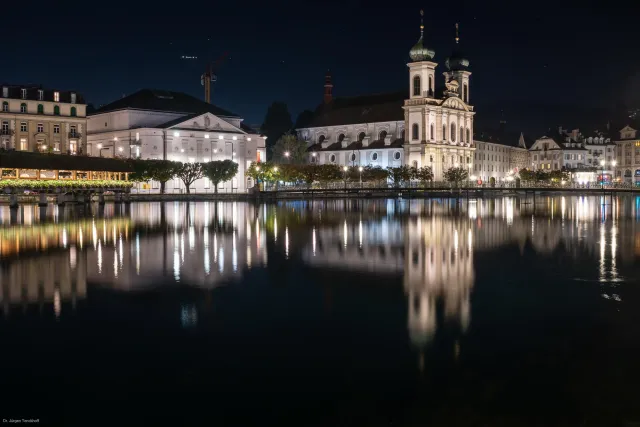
539	62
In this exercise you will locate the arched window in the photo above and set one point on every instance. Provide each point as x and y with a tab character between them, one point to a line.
430	159
396	155
5	106
462	134
432	135
430	86
416	86
23	108
453	132
415	164
382	135
402	135
321	139
341	137
353	157
444	132
73	111
361	136
465	93
56	111
332	158
468	136
374	156
40	109
415	131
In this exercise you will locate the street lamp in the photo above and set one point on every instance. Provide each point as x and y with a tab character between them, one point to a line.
345	169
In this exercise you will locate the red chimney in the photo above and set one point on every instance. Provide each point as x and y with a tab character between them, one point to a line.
328	88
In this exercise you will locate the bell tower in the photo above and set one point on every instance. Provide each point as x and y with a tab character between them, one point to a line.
422	70
458	69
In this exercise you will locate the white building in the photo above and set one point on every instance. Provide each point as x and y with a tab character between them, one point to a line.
153	124
628	155
499	155
370	130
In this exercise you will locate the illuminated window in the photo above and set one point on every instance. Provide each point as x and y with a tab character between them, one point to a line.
56	96
23	93
23	144
73	97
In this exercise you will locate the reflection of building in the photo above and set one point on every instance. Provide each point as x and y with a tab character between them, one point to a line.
36	119
48	278
174	126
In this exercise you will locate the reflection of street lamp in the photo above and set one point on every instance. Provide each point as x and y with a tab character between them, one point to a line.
345	169
602	163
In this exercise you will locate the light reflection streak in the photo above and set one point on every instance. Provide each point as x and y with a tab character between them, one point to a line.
286	242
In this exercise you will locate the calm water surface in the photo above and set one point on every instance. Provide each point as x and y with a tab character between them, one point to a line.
386	312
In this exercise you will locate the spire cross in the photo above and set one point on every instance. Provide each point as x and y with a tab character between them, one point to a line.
421	22
457	35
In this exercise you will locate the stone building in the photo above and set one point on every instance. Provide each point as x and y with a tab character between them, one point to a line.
33	118
499	155
628	155
158	124
432	126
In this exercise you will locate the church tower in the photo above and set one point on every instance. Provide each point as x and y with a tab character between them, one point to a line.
458	70
422	69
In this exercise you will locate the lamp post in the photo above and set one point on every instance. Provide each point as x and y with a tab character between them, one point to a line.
345	169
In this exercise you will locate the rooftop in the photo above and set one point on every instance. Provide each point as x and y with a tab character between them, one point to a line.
33	94
164	100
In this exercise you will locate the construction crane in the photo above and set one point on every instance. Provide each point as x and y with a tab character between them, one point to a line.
209	77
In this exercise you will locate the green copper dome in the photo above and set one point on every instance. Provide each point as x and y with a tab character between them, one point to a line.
419	52
457	61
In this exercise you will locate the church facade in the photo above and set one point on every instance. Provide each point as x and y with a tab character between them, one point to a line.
430	126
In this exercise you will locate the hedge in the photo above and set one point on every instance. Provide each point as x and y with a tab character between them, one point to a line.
53	184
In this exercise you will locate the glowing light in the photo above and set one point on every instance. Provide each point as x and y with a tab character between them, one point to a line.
206	136
286	242
115	138
345	168
220	136
56	302
248	139
99	146
313	154
286	154
344	232
138	253
182	150
360	169
176	134
235	138
120	149
64	237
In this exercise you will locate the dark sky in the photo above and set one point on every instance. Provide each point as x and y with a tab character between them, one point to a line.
527	58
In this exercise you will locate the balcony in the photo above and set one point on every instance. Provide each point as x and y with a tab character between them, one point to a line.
7	132
75	135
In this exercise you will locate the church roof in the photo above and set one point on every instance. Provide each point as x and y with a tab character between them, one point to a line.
382	107
164	100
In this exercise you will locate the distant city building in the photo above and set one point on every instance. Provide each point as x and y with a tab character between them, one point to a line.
628	154
42	120
433	126
158	124
499	155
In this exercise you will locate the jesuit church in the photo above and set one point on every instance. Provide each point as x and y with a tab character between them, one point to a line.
429	126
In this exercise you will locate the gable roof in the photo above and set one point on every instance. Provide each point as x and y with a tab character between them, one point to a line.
502	137
184	119
382	107
164	100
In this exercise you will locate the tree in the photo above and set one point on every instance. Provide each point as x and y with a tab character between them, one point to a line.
220	171
374	173
399	175
153	170
527	175
423	174
329	173
309	173
289	149
456	175
559	175
276	123
189	173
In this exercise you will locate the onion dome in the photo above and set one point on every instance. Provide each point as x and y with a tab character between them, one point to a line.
419	52
457	61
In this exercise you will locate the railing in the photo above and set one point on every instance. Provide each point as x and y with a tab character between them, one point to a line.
6	132
75	135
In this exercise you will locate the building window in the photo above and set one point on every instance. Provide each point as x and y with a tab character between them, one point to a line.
415	131
432	135
361	136
382	135
137	136
23	126
462	134
73	97
353	157
40	95
468	136
56	128
56	111
444	132
40	109
23	144
332	158
396	155
374	156
321	138
23	93
56	96
465	93
23	108
415	164
341	137
5	106
453	132
5	128
402	135
72	130
5	92
416	86
40	128
73	111
73	146
430	86
430	159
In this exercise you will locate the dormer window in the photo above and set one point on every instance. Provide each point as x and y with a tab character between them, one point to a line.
23	93
73	97
5	92
40	94
56	96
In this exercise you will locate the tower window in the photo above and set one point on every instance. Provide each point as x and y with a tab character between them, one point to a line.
462	134
468	135
430	86
415	131
432	135
402	135
465	94
444	132
453	132
416	86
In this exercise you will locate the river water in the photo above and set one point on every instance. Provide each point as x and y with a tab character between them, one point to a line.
340	312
